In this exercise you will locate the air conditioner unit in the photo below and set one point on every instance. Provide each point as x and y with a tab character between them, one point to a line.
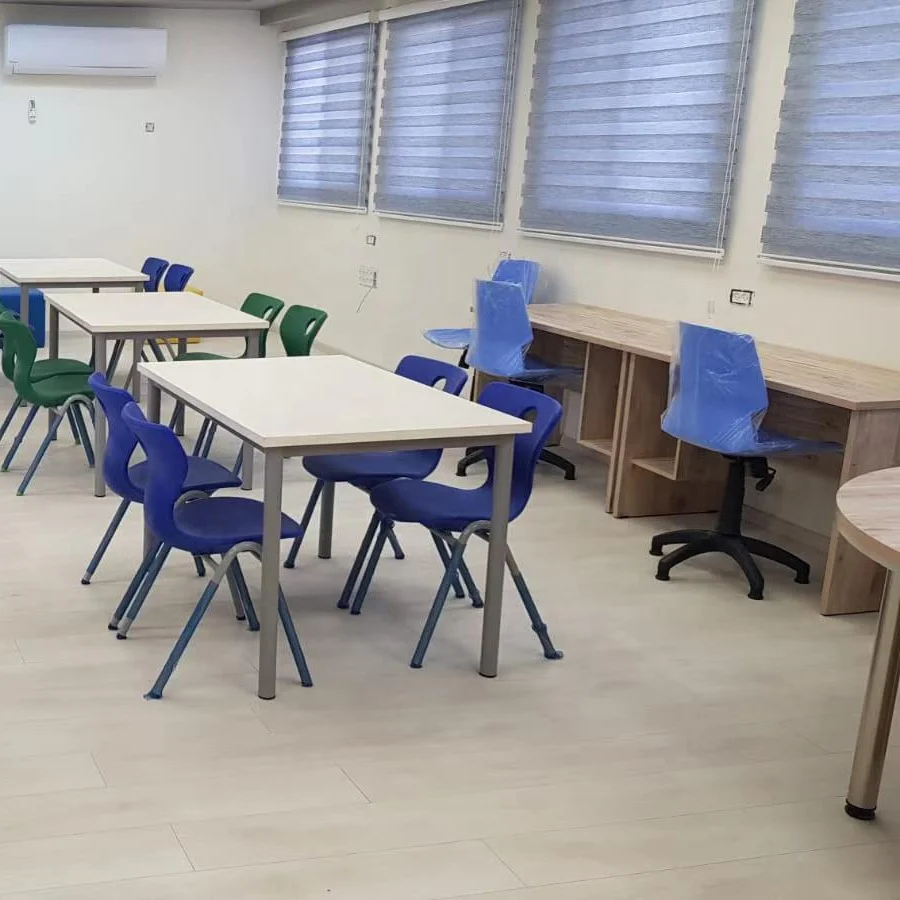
64	50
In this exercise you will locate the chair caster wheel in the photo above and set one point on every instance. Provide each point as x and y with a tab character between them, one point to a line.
121	637
461	473
755	595
570	476
662	576
655	552
802	579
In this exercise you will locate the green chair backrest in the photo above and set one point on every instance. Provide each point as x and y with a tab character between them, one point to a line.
20	345
299	328
263	307
8	357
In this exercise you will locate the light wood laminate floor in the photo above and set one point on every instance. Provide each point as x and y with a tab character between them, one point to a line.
692	744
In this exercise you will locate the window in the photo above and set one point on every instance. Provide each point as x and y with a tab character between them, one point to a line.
326	126
446	112
635	119
835	195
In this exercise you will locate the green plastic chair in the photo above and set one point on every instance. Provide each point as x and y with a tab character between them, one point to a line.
259	305
64	394
299	328
42	368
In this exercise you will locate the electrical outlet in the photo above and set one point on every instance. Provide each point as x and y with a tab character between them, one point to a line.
741	297
371	239
149	127
368	277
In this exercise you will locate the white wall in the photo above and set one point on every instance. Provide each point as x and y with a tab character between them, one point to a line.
86	180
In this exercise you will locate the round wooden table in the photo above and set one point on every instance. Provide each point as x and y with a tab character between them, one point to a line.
868	516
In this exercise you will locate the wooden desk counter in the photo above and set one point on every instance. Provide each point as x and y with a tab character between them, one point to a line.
625	390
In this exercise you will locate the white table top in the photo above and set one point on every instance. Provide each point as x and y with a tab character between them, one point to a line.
68	271
323	402
152	313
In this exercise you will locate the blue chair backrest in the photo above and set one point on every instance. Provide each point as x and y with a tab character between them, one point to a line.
154	267
120	442
719	393
523	272
177	277
502	331
544	413
167	468
432	372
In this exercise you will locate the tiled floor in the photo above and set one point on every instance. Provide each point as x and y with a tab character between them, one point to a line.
692	743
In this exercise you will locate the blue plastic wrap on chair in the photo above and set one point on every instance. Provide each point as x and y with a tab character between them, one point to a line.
449	338
523	272
718	397
503	335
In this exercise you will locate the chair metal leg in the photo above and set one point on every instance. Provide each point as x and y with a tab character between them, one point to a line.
73	427
444	554
236	598
210	437
359	561
241	582
142	593
740	553
85	436
198	565
114	358
112	528
133	585
156	351
537	623
395	545
17	442
201	438
688	551
18	403
472	456
471	587
377	549
155	693
45	443
291	560
173	420
559	462
440	598
293	641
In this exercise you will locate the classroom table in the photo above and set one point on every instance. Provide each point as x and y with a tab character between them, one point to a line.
303	406
868	516
44	274
142	317
625	390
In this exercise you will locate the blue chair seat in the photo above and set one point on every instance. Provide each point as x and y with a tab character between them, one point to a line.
436	506
449	338
366	470
202	475
217	524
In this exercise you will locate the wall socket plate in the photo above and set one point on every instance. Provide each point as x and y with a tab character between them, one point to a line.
741	297
149	127
368	277
371	239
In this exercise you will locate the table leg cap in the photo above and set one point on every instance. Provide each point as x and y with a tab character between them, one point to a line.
857	812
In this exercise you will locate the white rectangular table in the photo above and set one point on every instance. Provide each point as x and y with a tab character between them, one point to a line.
142	317
67	273
333	404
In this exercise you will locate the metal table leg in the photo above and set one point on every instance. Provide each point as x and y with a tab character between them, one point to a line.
136	346
271	562
154	404
247	464
179	419
878	708
52	347
99	420
23	303
496	564
326	519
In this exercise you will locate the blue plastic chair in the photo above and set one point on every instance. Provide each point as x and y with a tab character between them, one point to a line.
523	272
153	268
500	345
127	481
205	526
453	514
719	400
177	277
367	470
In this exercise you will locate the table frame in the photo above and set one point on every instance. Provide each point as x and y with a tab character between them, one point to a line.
273	485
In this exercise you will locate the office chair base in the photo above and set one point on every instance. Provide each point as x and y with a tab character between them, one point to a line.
741	549
476	455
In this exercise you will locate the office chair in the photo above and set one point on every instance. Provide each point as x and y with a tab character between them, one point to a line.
499	347
718	402
454	515
127	481
367	470
207	527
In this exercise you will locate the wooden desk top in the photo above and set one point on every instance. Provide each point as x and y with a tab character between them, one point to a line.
868	515
828	379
